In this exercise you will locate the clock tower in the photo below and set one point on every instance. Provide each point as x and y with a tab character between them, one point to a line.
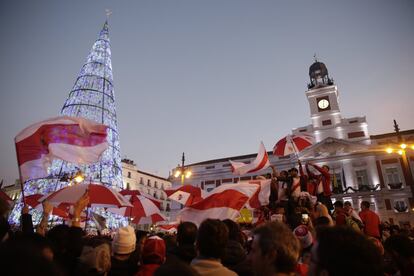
326	118
322	96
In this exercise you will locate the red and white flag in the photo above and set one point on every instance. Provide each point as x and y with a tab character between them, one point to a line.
260	163
186	195
73	139
224	202
261	196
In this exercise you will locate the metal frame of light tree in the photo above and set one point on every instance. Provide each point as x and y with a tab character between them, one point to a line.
91	97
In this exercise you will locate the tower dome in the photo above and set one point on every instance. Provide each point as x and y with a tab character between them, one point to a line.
318	74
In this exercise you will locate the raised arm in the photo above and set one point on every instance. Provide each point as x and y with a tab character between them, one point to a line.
78	208
42	226
308	171
322	171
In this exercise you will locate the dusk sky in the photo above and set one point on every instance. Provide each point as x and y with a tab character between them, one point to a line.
208	78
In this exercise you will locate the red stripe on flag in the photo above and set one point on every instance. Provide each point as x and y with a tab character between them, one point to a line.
36	145
261	165
228	198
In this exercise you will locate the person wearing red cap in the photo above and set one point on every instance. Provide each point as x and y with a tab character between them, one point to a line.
153	256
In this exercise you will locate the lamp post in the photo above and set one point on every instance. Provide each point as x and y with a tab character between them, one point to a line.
182	171
402	148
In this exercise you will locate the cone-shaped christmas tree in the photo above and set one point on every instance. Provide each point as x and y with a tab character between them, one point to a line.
91	97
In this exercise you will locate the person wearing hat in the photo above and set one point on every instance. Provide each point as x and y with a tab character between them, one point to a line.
153	256
123	245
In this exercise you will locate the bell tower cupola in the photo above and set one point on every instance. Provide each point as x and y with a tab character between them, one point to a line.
318	75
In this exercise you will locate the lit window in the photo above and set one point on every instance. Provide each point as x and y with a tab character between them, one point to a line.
393	176
362	178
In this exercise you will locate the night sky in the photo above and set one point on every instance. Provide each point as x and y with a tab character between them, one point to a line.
210	78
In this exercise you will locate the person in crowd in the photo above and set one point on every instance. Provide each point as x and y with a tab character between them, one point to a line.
28	254
212	238
351	211
323	189
399	255
341	251
322	222
175	268
275	250
296	187
278	213
95	258
185	248
282	187
302	269
67	241
304	235
339	214
234	252
5	231
320	210
370	220
153	256
123	246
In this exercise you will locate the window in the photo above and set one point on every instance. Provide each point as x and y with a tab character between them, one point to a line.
156	185
149	182
353	121
129	174
392	175
226	165
155	195
141	181
128	187
356	134
362	178
326	122
336	181
303	130
210	167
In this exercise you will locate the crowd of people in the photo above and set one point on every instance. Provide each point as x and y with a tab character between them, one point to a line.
300	233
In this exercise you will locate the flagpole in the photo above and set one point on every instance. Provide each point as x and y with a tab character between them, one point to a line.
20	173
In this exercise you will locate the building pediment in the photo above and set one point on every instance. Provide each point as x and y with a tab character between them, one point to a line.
332	147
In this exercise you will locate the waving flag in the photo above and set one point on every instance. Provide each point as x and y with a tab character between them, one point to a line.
260	163
261	196
224	202
186	195
73	139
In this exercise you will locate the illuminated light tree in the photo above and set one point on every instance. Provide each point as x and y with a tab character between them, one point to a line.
91	97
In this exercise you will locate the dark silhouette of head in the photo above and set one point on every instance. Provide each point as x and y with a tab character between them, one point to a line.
186	233
212	238
343	251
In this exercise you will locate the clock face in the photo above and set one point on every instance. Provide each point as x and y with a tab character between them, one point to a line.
323	104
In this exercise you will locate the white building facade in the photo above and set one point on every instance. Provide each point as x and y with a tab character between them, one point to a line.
152	185
360	167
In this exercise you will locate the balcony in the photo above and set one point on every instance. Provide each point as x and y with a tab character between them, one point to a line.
395	186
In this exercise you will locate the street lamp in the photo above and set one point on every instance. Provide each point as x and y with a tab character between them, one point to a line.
401	148
182	171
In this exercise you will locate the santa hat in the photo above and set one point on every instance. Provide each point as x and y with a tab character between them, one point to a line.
124	240
153	251
304	236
